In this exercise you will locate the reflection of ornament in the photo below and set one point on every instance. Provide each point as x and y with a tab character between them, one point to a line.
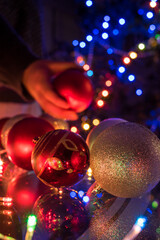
62	216
56	123
93	134
8	125
112	217
10	227
2	122
24	189
75	87
20	140
60	158
125	160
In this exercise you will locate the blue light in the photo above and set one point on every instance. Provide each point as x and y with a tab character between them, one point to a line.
99	195
141	222
89	73
105	25
107	18
80	193
122	21
89	3
104	35
109	50
95	31
140	11
149	15
152	27
73	194
82	63
131	77
89	38
82	44
86	199
139	92
110	62
75	43
121	69
115	32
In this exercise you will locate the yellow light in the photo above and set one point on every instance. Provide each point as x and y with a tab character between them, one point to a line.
105	93
141	46
153	4
89	172
86	67
108	83
133	55
86	126
74	129
126	60
96	122
100	103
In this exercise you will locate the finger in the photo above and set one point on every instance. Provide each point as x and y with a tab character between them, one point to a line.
56	111
58	67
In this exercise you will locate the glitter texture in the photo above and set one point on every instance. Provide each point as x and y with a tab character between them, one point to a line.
125	160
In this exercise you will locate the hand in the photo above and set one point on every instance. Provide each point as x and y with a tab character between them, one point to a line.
37	80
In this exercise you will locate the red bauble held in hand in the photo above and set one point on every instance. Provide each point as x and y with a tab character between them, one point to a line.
60	158
75	87
20	140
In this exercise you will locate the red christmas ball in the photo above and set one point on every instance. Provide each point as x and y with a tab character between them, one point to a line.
20	142
75	87
60	158
2	122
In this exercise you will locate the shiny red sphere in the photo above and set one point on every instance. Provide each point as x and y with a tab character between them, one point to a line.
75	87
60	158
2	122
20	142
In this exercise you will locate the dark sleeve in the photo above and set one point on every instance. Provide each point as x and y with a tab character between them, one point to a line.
15	56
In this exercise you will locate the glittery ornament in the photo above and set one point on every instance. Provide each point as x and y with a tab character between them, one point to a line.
20	142
112	218
56	123
93	134
75	87
60	158
125	160
61	216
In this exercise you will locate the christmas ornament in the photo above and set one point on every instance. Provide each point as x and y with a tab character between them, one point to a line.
24	189
20	142
10	227
91	137
8	125
75	87
2	122
125	160
56	123
62	216
112	218
60	158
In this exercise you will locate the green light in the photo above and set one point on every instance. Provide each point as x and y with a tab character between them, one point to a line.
5	237
31	222
157	36
154	204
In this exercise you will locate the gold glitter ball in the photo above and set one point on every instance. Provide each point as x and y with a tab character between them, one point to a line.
125	160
